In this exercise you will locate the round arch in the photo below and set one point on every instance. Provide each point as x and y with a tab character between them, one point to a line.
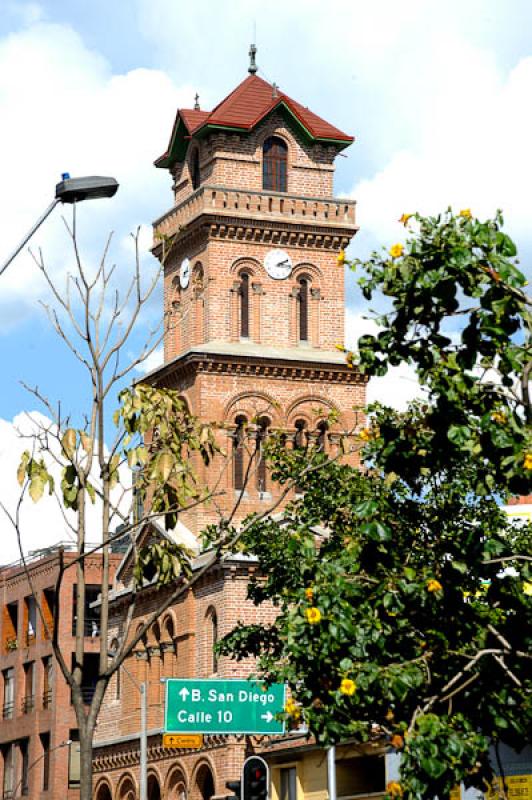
176	783
203	784
154	786
305	269
284	136
103	791
251	265
296	409
239	404
127	787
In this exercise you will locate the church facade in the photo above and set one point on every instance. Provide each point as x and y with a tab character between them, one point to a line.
254	306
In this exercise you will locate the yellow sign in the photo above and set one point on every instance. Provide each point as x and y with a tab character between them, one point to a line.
190	741
519	788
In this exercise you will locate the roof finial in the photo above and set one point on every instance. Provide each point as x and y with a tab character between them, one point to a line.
252	65
275	93
196	102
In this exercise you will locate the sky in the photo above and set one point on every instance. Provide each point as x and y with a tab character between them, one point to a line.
436	94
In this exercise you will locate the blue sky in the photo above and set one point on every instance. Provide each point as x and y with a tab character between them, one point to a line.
437	94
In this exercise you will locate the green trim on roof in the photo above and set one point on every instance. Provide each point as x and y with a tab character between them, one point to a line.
180	140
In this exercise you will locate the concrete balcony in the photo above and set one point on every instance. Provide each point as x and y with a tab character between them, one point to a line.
216	201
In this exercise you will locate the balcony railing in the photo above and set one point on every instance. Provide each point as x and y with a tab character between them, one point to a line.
231	202
28	704
47	698
8	709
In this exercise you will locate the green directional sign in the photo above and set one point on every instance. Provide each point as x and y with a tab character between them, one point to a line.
223	706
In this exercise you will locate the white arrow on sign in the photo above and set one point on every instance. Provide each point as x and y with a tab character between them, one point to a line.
184	693
268	716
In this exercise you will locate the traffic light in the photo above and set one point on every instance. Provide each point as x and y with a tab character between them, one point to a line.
236	788
255	779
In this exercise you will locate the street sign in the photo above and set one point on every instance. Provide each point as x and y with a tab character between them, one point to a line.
190	741
223	706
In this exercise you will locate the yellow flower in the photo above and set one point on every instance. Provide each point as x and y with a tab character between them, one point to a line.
365	434
499	417
348	687
340	259
340	347
309	594
396	250
394	789
404	219
292	709
433	585
313	615
397	741
527	588
528	461
466	213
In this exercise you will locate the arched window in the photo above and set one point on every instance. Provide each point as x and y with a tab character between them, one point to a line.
323	428
302	297
300	436
244	305
239	453
274	158
212	621
262	433
196	177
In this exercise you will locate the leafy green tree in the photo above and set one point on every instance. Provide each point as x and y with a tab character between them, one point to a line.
402	589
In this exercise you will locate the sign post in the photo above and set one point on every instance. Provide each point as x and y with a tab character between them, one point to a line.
223	706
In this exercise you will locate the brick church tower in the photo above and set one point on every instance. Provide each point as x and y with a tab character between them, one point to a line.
254	304
253	294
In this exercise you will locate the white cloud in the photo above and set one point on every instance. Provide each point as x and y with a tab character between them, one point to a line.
154	360
63	110
42	523
400	385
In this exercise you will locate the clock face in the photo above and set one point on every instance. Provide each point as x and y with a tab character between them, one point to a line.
184	273
278	264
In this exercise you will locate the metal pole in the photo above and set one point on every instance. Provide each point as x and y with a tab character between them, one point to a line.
29	235
331	772
143	742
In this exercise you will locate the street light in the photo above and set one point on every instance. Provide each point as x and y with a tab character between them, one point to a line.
37	760
70	190
143	689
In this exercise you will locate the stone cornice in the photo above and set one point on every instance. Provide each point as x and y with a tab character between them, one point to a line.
171	375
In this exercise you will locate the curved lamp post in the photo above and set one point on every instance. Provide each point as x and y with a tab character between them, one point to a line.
69	190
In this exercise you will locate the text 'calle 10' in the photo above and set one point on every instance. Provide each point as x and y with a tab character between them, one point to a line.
223	706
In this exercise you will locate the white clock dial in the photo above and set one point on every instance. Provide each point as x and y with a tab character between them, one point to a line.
184	273
278	264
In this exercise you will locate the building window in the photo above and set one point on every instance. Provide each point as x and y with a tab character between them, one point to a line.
262	434
73	760
323	429
302	297
274	160
9	770
214	628
30	611
243	293
288	783
9	693
28	701
196	176
361	775
239	450
24	766
45	745
10	627
48	667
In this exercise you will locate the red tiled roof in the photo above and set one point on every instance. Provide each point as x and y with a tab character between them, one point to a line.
253	99
193	118
245	107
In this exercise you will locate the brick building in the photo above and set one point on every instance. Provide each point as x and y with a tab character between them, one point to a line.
254	300
38	719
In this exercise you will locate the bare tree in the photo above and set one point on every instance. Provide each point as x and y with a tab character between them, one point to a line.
96	321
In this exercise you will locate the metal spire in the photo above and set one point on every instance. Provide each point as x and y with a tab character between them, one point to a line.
196	102
252	65
275	93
